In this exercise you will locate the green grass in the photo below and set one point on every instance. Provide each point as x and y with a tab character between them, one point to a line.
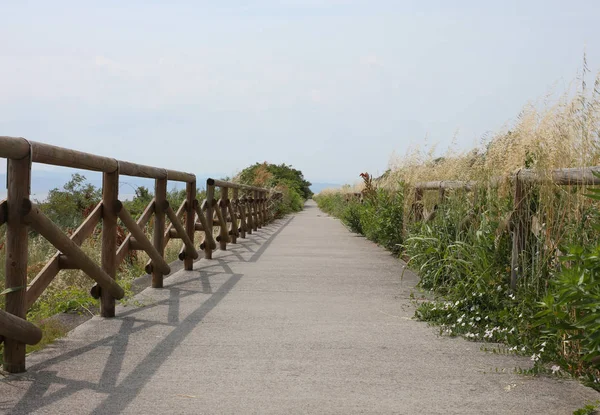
463	257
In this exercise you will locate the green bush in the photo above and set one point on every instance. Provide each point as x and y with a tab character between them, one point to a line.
290	202
380	219
568	320
283	178
352	215
67	207
462	254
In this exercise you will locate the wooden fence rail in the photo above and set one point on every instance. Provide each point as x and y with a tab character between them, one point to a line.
239	211
519	219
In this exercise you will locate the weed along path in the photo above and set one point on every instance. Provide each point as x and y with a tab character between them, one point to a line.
302	317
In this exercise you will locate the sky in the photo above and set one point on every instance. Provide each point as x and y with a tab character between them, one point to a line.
332	87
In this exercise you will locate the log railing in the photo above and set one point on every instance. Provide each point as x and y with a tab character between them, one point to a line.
518	221
239	211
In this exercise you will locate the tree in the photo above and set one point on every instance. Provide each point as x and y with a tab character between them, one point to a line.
68	207
142	198
273	175
283	178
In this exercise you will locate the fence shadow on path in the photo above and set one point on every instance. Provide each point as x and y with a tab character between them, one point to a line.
42	385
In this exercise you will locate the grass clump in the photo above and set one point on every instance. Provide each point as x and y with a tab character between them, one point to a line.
378	215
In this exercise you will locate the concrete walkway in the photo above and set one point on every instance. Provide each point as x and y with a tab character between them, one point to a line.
302	317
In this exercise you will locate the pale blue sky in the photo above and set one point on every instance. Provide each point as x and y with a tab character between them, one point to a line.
332	87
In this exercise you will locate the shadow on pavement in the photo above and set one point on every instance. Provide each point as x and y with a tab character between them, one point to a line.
44	386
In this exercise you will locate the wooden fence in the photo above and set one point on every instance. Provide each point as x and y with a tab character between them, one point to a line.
239	211
519	218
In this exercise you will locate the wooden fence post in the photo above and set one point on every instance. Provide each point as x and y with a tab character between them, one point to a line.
418	205
19	179
110	194
233	212
160	195
243	219
264	207
190	221
518	233
210	197
224	235
258	222
249	217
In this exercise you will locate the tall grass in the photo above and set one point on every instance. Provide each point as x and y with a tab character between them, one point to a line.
463	254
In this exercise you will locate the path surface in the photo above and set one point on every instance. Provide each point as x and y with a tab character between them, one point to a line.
303	317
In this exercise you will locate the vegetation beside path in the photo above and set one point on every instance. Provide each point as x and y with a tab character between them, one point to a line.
461	248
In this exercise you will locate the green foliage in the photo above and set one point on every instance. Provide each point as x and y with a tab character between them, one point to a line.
462	254
589	409
569	316
331	203
61	301
273	175
459	251
142	198
352	216
51	331
69	206
379	218
382	218
291	202
463	258
283	178
176	197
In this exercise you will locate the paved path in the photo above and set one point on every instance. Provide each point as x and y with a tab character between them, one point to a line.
303	317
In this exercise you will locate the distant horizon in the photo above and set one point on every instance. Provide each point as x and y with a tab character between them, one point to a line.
45	179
